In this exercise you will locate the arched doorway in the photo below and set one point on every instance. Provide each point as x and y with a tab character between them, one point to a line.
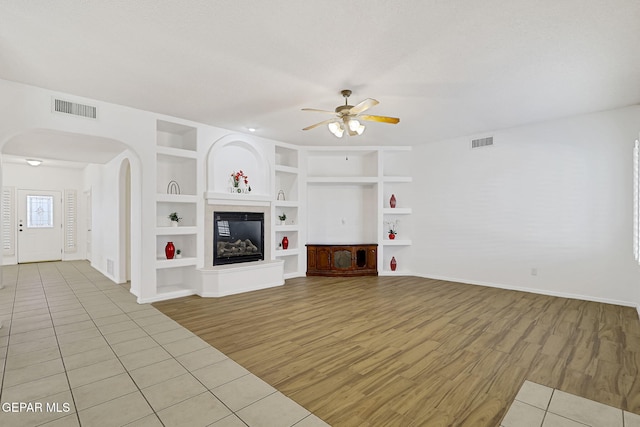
105	162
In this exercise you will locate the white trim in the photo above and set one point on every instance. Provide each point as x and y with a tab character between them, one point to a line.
534	291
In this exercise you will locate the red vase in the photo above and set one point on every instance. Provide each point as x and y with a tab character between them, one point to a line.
394	264
392	201
170	250
285	242
392	236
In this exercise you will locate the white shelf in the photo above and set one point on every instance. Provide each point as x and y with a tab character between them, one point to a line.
286	204
287	252
176	231
286	169
177	152
392	273
287	228
173	263
176	198
397	242
396	211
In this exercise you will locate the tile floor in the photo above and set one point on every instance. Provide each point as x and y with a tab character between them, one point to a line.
536	405
75	349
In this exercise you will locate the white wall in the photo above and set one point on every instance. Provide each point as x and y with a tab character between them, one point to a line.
25	177
555	197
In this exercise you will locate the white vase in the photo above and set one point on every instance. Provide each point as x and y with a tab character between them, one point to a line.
174	223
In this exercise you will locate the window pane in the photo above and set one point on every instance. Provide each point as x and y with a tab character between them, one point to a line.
39	211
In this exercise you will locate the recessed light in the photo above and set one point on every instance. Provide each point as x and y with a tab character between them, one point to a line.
34	162
251	129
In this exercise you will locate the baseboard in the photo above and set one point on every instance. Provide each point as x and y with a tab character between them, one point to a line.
535	291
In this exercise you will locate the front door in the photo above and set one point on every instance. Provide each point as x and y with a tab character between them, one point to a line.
39	226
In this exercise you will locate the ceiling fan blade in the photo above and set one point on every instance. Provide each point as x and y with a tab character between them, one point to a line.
318	111
383	119
363	106
324	122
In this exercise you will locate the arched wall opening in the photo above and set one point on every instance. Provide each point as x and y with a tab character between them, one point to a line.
102	155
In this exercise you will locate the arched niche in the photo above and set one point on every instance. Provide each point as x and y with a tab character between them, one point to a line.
233	153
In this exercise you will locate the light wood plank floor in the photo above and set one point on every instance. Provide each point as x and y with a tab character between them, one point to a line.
418	352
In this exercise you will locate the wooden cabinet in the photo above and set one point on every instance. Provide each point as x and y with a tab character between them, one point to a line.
342	260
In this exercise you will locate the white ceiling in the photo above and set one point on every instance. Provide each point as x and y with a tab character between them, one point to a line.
61	149
446	68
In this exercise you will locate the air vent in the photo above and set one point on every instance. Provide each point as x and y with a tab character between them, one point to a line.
67	107
482	142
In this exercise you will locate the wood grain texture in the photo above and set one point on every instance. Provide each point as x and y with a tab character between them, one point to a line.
408	351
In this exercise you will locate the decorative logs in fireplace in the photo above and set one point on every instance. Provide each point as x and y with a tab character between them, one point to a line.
237	248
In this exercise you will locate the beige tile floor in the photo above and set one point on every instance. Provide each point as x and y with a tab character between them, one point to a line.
536	405
81	351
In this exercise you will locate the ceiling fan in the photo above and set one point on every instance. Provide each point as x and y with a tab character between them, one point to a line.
348	117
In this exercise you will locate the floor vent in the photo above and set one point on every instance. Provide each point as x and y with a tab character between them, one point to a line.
67	107
482	142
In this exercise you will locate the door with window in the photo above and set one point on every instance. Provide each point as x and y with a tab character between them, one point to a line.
39	226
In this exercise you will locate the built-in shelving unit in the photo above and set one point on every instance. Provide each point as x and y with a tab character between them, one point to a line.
348	199
176	189
287	201
396	180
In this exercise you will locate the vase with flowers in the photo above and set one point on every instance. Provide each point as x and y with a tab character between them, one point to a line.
391	227
175	219
240	182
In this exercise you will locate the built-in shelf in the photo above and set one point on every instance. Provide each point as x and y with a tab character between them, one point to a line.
392	273
397	242
287	228
176	172
176	198
396	211
286	204
176	231
287	189
171	263
286	169
176	152
287	252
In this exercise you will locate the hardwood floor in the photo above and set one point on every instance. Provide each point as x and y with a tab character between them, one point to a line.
407	351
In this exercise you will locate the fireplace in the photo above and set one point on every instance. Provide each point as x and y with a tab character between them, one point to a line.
237	237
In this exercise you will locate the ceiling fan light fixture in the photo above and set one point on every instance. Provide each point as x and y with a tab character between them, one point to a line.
336	129
360	129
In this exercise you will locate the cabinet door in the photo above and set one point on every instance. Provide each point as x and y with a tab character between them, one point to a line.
342	259
323	259
372	258
311	258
